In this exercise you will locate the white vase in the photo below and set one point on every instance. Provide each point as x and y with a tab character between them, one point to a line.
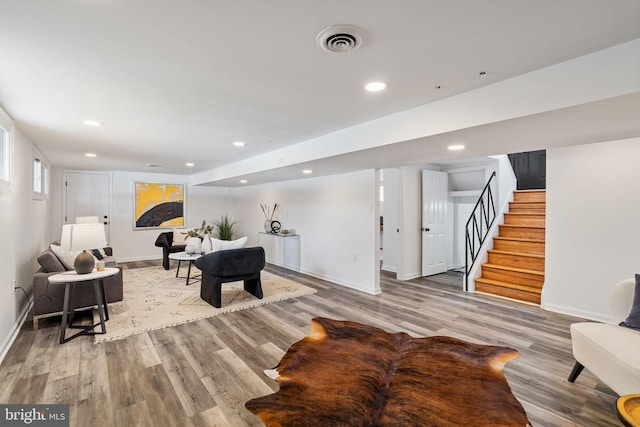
206	244
194	245
267	226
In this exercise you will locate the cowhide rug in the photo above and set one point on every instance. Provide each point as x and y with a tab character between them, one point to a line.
349	374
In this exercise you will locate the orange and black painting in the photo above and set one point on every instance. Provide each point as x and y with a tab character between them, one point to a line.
158	205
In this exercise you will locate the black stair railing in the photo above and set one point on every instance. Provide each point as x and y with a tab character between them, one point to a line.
477	228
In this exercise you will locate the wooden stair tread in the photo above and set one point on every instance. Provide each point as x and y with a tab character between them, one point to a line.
501	284
523	254
527	202
523	226
519	239
514	269
526	213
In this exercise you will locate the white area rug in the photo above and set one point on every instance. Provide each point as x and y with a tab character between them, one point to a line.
154	298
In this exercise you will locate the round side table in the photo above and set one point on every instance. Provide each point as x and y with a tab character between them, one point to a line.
183	256
71	279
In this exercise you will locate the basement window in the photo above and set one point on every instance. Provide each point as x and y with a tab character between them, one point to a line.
40	177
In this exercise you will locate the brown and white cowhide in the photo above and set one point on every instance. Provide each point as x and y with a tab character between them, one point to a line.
349	374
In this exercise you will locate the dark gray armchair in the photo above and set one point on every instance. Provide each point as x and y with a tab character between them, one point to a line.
166	242
230	265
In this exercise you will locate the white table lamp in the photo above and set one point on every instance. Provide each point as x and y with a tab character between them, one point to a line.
83	237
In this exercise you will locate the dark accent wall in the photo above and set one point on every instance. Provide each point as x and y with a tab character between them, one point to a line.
530	169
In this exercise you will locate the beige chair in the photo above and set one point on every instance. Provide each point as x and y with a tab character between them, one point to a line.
611	352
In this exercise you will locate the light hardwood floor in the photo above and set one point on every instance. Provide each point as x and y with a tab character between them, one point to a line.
202	373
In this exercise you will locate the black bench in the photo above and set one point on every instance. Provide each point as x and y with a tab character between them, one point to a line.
230	265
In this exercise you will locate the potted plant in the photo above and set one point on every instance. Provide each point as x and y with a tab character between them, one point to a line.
195	236
224	228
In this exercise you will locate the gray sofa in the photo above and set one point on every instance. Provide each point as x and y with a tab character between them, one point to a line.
48	298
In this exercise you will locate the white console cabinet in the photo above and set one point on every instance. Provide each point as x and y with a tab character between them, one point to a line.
281	249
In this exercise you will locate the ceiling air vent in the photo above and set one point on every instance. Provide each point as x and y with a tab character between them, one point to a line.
341	38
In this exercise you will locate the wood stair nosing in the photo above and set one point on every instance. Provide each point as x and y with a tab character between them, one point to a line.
523	226
523	288
514	294
525	213
531	261
522	231
514	269
515	209
530	196
520	203
519	239
506	276
512	253
535	246
524	219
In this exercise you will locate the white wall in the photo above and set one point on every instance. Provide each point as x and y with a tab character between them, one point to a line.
202	203
593	225
23	224
335	216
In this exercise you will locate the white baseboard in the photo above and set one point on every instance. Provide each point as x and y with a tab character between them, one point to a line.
410	276
389	269
15	330
577	313
341	282
120	260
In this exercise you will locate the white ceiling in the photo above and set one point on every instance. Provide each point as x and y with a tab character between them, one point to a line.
179	81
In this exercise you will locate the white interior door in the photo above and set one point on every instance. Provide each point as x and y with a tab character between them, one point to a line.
434	222
87	194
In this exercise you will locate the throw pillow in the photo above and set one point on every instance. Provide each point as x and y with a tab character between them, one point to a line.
233	244
633	320
66	257
49	262
96	253
215	244
218	245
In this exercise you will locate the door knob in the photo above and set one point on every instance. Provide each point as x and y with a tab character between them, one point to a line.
424	229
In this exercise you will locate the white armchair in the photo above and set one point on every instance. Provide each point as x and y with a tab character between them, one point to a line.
611	352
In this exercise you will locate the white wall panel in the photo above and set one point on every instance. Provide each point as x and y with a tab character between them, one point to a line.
593	225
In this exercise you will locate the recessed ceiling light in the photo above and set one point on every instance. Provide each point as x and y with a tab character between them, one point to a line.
91	155
189	164
482	73
243	181
153	165
93	123
307	171
375	86
239	144
456	147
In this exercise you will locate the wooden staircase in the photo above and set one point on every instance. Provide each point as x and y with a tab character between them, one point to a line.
515	268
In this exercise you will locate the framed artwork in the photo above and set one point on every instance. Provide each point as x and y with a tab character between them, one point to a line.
158	205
